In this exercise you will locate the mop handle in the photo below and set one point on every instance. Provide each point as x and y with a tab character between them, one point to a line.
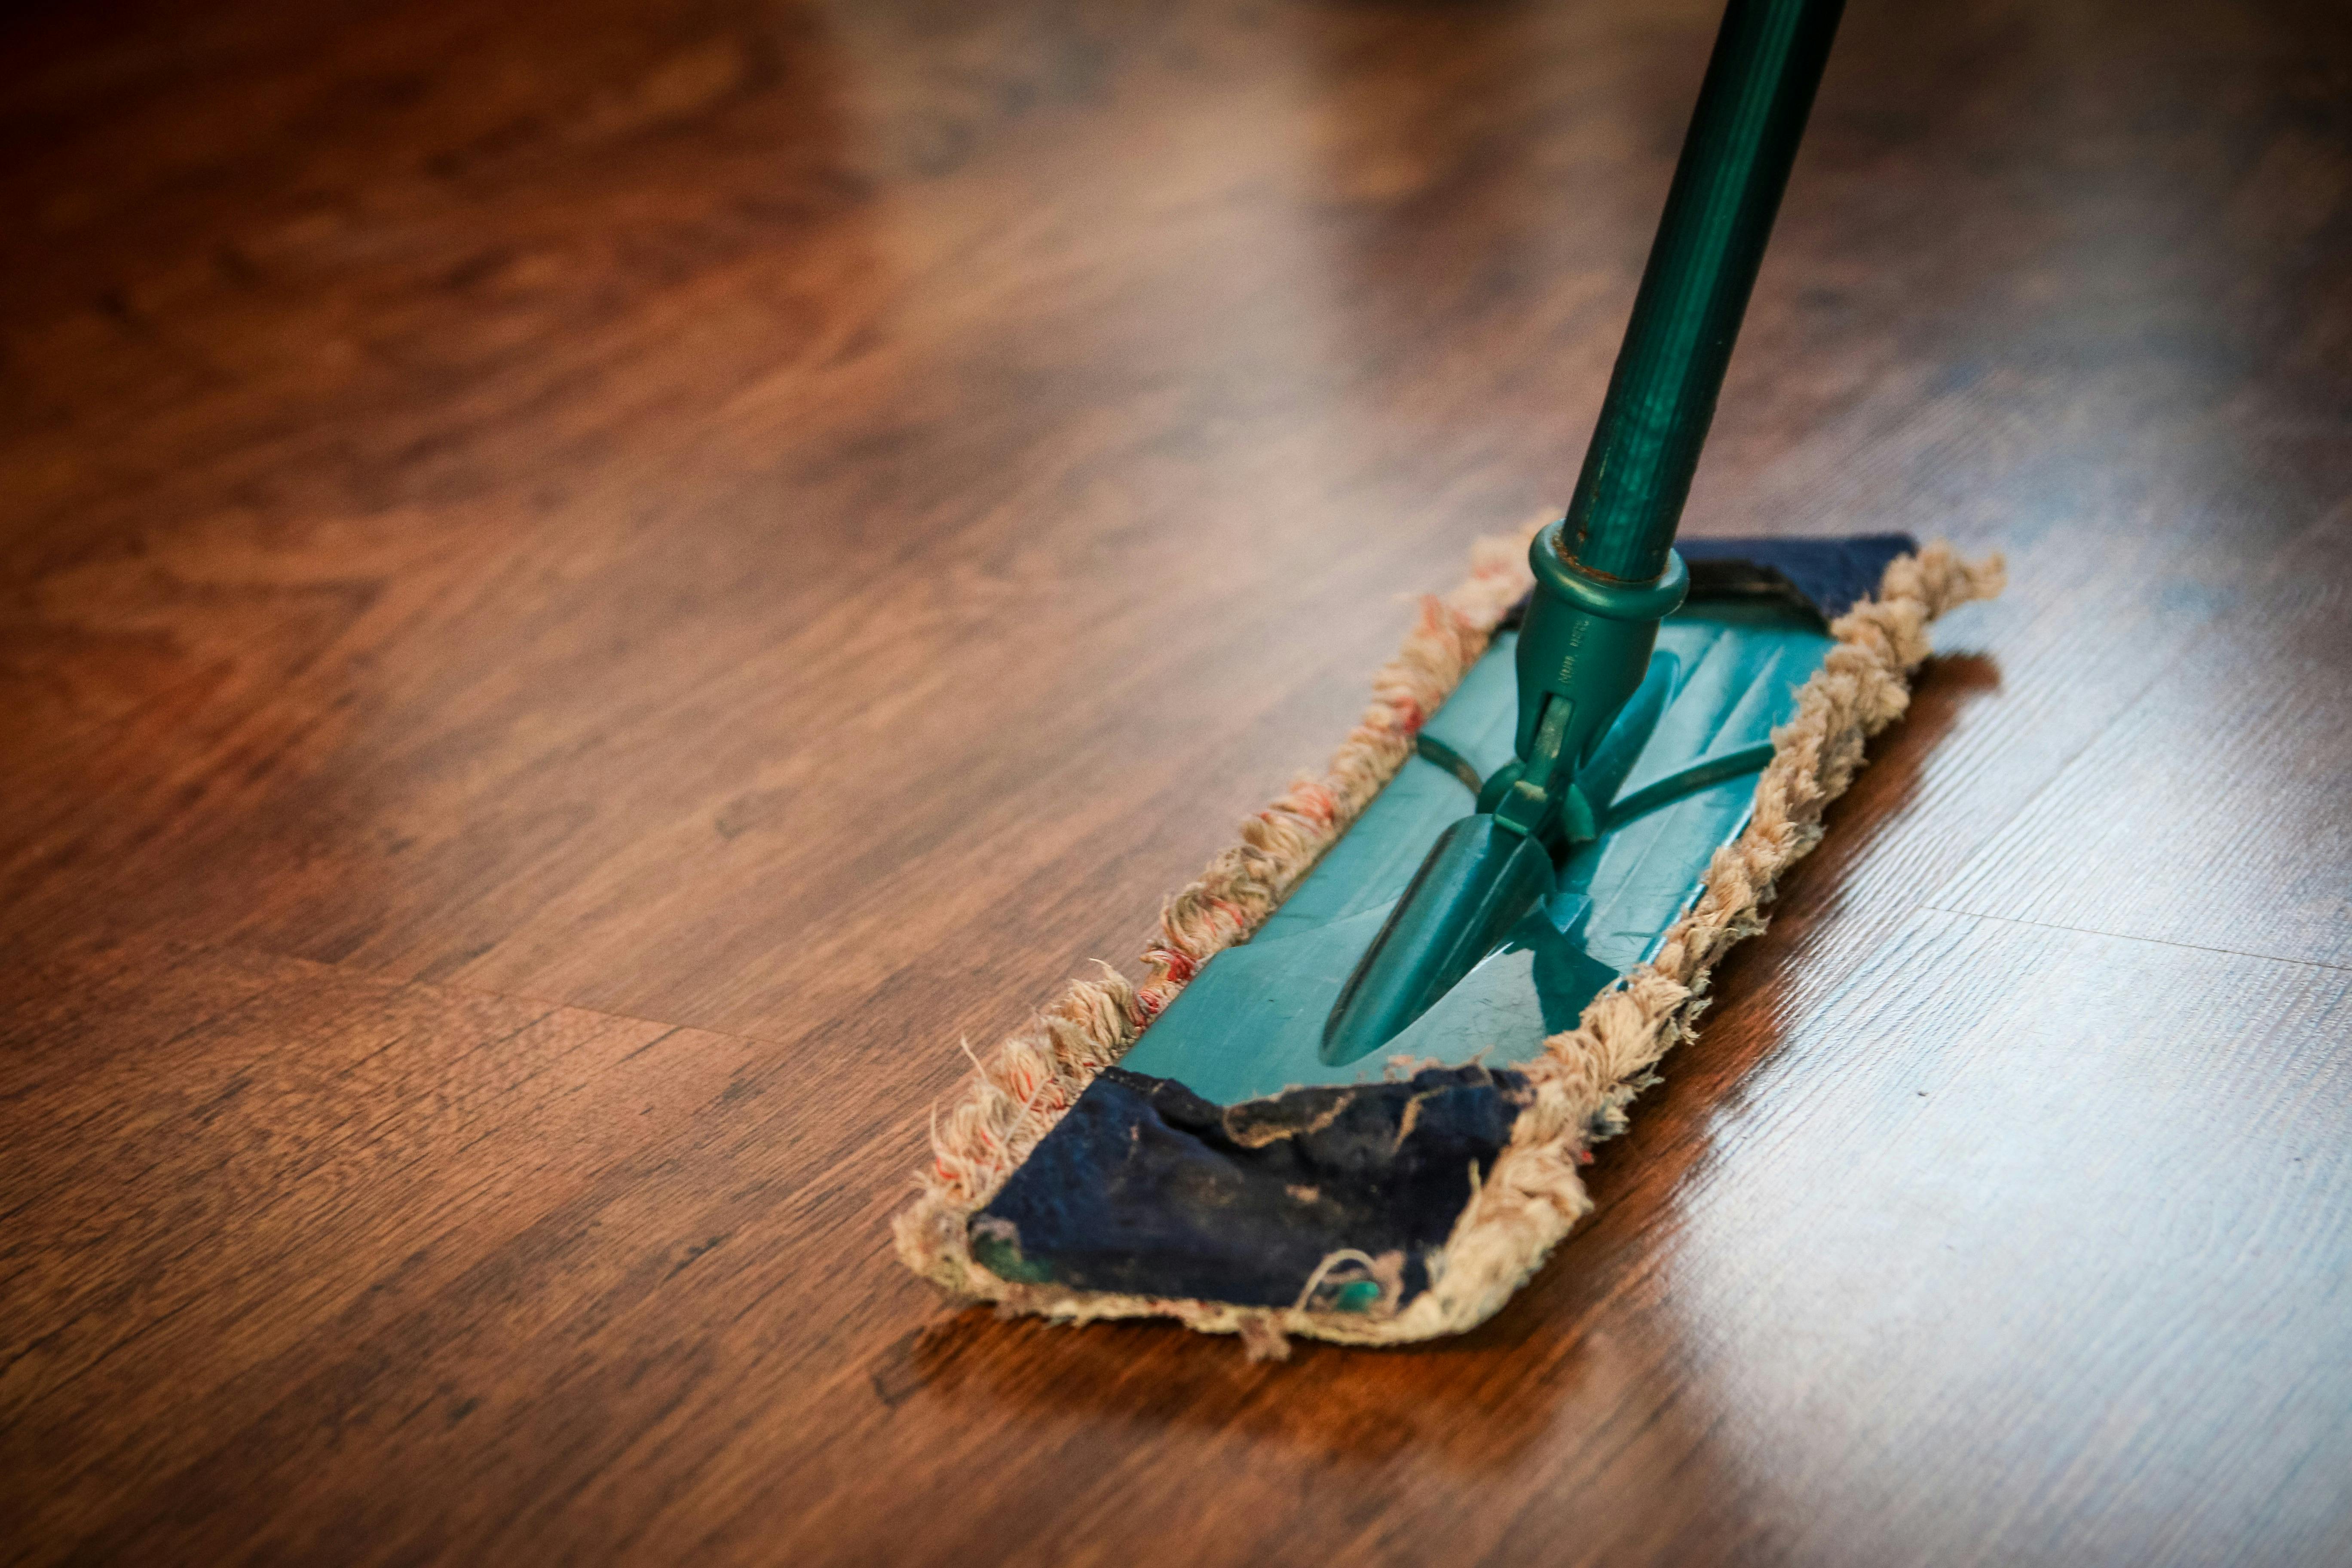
1734	164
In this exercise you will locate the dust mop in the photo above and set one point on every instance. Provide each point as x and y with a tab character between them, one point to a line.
1378	1037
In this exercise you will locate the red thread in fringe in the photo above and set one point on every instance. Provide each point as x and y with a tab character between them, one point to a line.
1314	801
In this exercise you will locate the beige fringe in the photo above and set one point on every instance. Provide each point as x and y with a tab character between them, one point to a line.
1584	1078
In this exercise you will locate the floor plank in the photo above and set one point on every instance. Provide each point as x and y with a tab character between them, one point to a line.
2024	1200
331	1219
2236	761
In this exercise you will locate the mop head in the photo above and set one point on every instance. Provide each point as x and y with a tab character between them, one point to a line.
1426	1253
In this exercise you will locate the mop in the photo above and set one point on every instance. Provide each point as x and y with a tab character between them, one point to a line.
1379	1036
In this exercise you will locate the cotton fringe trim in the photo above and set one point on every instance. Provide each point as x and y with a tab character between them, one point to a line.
1585	1077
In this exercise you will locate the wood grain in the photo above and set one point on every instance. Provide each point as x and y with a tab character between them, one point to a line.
2238	761
582	590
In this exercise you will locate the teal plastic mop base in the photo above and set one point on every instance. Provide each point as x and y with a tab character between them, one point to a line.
1724	676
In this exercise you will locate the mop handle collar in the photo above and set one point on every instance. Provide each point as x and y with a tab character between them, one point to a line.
1652	601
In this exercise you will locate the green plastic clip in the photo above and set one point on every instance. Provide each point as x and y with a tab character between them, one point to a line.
1583	650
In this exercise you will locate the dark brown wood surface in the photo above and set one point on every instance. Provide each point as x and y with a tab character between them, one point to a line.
587	588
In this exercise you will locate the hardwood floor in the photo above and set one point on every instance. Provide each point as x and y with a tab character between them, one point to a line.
584	590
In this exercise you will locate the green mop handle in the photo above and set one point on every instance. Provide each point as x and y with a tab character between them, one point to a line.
1734	164
1606	573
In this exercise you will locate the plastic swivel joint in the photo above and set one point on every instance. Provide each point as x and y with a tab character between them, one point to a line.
1583	651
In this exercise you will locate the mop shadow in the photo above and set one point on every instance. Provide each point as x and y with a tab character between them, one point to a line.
1588	1337
1856	824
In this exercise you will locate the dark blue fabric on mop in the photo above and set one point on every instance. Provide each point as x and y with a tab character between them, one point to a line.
1825	576
1146	1189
